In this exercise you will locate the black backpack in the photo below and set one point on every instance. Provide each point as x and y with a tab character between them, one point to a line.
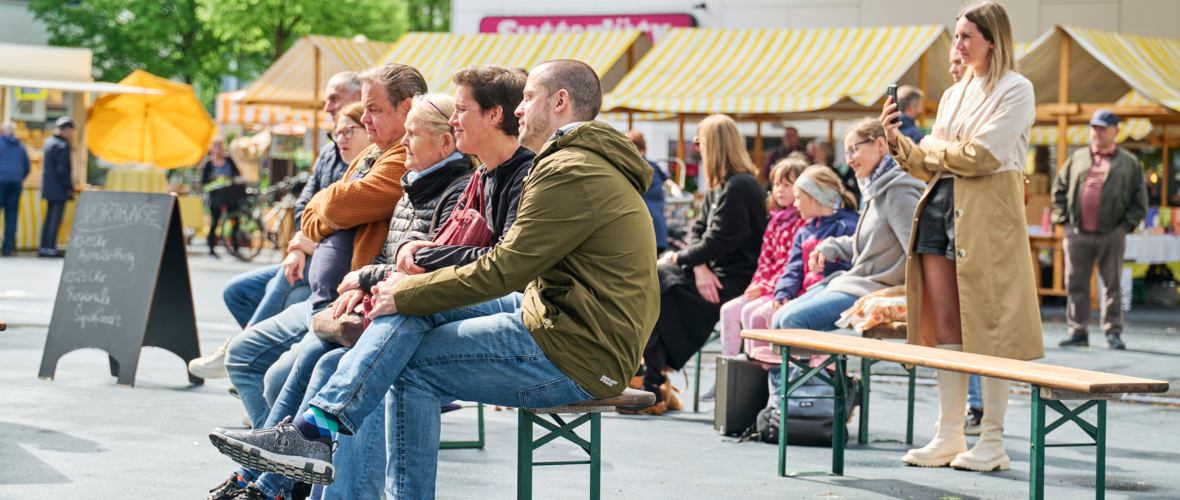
809	420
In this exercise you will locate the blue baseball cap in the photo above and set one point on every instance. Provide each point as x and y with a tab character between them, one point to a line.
1104	118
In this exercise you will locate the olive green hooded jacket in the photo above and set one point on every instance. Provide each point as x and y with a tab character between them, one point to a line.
583	250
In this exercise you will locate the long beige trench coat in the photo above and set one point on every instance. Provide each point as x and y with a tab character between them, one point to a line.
987	138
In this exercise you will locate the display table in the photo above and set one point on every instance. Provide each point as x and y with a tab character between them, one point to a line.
32	216
192	214
138	180
1141	250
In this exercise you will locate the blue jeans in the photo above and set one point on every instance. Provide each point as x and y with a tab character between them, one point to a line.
10	203
253	358
974	391
813	310
254	296
482	353
359	459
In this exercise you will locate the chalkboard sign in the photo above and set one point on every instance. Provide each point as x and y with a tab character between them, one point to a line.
125	283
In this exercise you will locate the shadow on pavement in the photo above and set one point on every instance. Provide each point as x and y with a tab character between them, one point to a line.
18	466
899	489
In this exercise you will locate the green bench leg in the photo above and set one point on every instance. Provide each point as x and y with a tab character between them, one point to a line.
866	364
696	385
524	455
1040	407
558	429
478	443
838	420
866	387
909	426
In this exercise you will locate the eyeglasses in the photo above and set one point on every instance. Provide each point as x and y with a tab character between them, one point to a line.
850	151
344	134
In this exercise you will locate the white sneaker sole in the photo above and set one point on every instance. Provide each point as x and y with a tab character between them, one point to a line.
298	468
203	371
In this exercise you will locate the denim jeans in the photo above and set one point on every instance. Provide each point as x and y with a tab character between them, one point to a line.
54	211
253	358
359	459
10	203
254	296
482	353
813	310
975	391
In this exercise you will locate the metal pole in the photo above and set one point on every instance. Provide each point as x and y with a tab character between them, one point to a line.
758	145
680	150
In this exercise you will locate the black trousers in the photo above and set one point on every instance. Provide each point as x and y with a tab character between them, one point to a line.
52	226
215	215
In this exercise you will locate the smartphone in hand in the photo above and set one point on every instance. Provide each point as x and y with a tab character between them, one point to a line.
892	92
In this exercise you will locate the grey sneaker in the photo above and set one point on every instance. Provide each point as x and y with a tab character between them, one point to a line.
281	450
1115	341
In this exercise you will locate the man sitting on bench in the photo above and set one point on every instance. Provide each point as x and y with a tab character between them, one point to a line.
583	250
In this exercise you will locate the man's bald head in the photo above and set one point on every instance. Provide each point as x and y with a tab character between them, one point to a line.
578	79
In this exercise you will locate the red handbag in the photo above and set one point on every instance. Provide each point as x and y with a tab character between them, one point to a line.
466	226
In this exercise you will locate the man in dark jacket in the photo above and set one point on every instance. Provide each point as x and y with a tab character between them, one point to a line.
1100	196
14	167
791	143
583	250
57	187
909	101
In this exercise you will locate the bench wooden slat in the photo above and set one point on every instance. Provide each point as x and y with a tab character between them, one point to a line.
629	397
1059	377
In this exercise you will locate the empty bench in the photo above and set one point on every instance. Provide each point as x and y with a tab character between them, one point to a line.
1050	386
591	411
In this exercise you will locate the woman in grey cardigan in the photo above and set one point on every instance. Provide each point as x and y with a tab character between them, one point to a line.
878	248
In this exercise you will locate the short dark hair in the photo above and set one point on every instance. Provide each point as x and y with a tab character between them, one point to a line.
496	86
907	96
401	82
577	78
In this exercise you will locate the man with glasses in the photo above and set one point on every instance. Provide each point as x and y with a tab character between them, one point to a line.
256	295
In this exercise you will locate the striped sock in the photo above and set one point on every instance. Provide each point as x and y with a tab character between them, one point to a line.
315	424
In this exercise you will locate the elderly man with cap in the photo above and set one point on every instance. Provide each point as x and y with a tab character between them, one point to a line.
1100	196
57	185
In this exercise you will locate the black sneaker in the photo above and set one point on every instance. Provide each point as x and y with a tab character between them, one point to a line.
227	490
971	423
281	450
1116	342
1075	341
253	493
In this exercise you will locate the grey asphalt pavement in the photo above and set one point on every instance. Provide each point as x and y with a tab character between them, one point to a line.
83	436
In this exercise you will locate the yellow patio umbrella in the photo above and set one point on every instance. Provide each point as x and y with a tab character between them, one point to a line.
168	130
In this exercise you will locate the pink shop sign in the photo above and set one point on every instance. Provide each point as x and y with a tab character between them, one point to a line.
655	25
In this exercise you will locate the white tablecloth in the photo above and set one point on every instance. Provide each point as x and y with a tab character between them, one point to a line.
1152	248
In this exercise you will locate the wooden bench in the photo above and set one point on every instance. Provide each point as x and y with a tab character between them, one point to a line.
1050	386
591	411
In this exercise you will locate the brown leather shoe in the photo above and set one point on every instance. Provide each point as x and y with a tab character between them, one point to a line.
656	409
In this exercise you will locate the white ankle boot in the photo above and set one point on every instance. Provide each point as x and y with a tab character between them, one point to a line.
988	453
948	439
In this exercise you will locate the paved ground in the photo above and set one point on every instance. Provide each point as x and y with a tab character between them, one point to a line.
82	436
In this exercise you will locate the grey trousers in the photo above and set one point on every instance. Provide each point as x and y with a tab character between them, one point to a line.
1082	250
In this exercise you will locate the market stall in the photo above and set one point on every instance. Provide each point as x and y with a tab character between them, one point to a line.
1076	71
764	75
38	85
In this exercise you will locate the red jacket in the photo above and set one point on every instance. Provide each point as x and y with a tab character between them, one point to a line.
776	246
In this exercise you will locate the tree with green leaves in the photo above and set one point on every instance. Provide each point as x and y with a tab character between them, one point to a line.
198	41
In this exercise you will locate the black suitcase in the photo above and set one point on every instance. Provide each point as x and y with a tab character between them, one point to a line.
742	391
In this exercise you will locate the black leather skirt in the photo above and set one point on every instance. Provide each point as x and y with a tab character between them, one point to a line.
936	225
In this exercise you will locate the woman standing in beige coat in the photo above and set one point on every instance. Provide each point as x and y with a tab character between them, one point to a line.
969	281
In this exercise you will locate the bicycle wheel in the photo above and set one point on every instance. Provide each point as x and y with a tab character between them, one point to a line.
242	234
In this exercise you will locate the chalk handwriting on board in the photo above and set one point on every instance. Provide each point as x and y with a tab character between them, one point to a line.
105	215
87	293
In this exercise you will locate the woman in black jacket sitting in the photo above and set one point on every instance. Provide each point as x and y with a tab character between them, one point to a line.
716	268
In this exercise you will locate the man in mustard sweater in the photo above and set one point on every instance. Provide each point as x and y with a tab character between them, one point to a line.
582	249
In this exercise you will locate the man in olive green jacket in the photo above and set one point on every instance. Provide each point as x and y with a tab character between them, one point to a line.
1100	196
584	253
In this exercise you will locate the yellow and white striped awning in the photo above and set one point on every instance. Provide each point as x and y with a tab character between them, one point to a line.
291	80
438	55
1105	66
1077	135
230	110
772	71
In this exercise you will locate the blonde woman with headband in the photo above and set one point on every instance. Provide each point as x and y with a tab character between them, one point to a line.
969	282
